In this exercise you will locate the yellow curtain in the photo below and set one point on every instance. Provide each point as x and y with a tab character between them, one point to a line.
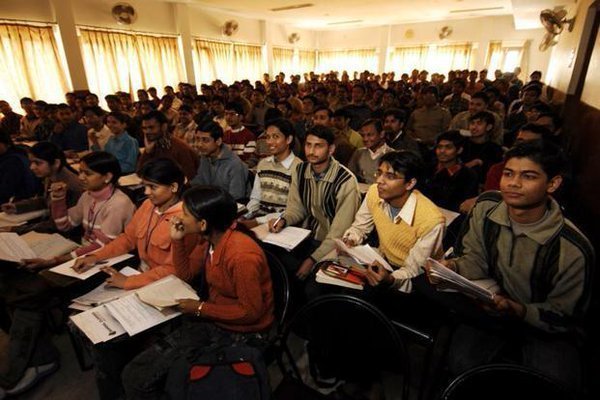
347	60
442	59
505	56
494	56
283	61
307	61
116	61
405	59
248	62
31	65
213	60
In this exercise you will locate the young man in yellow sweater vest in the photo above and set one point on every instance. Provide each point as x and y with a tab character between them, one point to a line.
410	227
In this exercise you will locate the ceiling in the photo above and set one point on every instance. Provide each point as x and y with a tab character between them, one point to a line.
343	14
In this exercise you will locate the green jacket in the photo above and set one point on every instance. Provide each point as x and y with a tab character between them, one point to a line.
548	269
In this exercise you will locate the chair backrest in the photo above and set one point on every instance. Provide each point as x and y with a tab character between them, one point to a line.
356	338
504	381
281	286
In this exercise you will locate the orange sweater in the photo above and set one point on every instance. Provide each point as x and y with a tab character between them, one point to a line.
240	293
149	233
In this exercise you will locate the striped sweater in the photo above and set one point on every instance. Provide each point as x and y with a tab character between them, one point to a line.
102	214
326	206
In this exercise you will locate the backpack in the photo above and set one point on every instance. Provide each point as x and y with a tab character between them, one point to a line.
234	372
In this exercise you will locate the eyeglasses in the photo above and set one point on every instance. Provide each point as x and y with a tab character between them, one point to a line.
388	176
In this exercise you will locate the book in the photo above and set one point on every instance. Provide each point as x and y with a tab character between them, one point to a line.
289	238
7	220
14	248
482	289
364	254
135	316
322	277
33	245
165	292
130	180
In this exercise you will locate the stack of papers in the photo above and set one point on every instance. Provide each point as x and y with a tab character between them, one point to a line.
364	254
9	220
67	270
104	294
33	245
483	289
130	314
289	238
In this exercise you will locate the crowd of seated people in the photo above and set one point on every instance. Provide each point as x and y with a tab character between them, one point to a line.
362	159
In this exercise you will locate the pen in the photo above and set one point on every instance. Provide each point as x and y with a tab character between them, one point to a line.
448	253
278	219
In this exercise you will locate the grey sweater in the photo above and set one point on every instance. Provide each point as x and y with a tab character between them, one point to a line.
227	171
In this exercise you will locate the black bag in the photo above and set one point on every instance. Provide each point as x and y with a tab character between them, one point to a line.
235	372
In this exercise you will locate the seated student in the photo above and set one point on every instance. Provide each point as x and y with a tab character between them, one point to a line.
479	152
410	227
103	210
240	139
11	121
273	174
48	163
217	108
479	102
542	263
323	116
148	230
219	166
68	134
364	160
98	132
450	183
159	144
323	197
341	120
120	144
186	126
393	124
29	121
239	307
45	128
16	179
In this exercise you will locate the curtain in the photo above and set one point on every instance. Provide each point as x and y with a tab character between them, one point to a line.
307	61
31	65
116	61
405	59
347	60
505	56
284	60
433	58
228	62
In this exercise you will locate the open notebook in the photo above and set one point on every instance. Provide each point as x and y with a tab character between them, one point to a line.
33	245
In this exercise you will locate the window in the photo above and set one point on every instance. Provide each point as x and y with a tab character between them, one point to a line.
116	61
346	60
293	61
31	65
433	58
505	56
227	61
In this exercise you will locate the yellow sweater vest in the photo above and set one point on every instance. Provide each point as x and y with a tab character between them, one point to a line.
396	239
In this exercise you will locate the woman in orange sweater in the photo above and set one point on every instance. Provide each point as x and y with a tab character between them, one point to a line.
239	305
148	230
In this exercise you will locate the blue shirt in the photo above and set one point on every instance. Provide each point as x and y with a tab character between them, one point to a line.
125	149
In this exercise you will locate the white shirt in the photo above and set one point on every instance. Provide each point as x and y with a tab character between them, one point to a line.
426	246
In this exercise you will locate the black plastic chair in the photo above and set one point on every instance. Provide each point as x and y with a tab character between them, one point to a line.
502	382
356	340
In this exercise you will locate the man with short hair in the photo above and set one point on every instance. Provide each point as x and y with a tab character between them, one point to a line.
234	95
217	108
393	124
479	152
11	121
29	121
341	121
323	197
479	102
45	128
458	100
365	160
69	134
98	133
542	263
358	109
113	103
323	116
428	121
240	139
185	127
158	144
219	166
259	108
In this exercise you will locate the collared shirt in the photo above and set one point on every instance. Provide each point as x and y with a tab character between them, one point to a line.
428	244
381	150
102	135
451	171
125	149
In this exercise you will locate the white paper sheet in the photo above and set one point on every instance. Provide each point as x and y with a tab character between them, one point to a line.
14	248
65	268
364	254
288	238
165	292
98	324
136	316
104	294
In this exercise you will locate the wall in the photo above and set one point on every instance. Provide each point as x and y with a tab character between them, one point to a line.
476	30
32	10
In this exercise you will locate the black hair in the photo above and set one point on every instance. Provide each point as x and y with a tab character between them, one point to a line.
63	106
547	155
484	116
220	99
481	95
375	122
322	132
324	108
460	82
453	136
186	108
533	87
50	152
212	204
5	137
94	95
283	125
536	73
103	163
41	104
155	115
214	129
341	112
542	107
119	116
111	97
431	89
235	106
27	100
260	90
95	110
271	114
163	171
396	112
405	162
312	99
537	129
360	86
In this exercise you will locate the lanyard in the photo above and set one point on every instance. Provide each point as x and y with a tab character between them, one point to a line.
150	231
92	216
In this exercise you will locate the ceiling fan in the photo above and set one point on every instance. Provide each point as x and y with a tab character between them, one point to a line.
554	21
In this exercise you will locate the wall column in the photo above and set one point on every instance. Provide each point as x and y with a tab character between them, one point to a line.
63	13
265	39
182	24
385	34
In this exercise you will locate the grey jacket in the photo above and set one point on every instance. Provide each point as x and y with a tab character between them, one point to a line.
228	171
